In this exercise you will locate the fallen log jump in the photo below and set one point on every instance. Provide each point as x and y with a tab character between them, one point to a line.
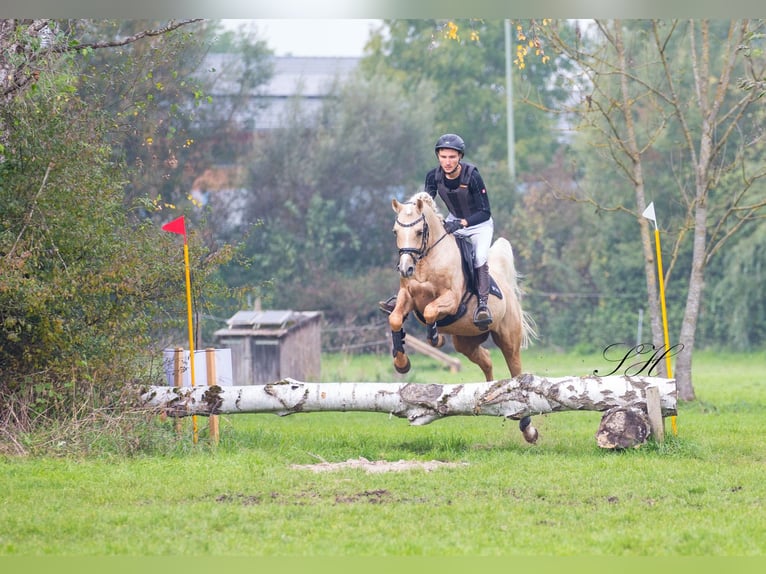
421	404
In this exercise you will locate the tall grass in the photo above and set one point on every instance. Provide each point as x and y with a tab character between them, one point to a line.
699	493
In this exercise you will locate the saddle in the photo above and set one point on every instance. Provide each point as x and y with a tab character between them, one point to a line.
466	258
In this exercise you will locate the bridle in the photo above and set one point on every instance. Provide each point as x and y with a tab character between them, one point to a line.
418	253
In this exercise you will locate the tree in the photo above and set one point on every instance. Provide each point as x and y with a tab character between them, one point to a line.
31	48
667	97
80	281
464	61
86	286
180	106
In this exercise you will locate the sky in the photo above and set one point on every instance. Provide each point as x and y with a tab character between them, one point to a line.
312	37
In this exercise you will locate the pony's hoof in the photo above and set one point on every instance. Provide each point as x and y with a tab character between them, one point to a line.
530	434
405	368
437	342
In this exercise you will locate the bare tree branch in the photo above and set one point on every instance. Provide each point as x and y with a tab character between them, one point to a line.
20	56
30	213
169	27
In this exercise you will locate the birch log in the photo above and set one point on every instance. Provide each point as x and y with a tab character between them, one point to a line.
420	404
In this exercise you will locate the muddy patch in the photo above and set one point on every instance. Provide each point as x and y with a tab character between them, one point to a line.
374	466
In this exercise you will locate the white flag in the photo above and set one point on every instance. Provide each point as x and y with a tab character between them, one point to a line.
649	213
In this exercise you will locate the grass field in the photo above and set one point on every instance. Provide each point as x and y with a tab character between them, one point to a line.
700	493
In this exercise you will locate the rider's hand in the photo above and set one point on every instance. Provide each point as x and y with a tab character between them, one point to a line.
452	226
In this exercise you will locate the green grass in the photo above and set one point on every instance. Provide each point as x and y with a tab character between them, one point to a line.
700	493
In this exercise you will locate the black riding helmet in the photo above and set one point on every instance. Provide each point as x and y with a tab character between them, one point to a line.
450	141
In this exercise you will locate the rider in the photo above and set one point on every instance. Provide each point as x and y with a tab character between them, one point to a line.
461	188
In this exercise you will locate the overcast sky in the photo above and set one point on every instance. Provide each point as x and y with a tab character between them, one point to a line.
315	37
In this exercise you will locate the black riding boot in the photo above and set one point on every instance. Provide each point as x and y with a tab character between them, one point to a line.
388	305
482	317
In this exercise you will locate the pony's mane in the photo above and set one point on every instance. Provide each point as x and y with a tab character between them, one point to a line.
427	199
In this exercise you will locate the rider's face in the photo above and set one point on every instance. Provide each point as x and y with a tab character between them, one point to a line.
448	159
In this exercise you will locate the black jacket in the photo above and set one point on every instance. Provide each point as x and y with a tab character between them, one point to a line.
465	197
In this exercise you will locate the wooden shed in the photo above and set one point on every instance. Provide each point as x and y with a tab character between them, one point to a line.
267	346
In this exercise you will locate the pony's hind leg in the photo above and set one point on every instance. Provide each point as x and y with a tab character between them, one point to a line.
512	355
530	432
510	350
472	349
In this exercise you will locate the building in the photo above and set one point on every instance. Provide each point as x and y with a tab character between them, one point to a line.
268	346
308	78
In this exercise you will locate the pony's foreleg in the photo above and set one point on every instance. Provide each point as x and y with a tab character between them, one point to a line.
396	323
403	306
401	360
434	338
444	305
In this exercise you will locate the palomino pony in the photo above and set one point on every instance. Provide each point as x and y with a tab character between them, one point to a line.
432	284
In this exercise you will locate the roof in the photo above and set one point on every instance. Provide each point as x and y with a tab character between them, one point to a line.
256	319
308	77
274	323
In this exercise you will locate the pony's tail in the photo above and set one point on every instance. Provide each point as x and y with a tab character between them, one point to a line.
528	326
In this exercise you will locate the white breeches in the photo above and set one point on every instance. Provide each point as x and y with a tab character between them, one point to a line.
481	239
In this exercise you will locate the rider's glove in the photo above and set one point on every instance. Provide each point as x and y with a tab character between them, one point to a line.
452	225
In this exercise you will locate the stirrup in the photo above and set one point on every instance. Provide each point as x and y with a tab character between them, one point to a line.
482	318
388	305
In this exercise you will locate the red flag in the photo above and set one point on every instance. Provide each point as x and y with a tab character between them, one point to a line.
176	226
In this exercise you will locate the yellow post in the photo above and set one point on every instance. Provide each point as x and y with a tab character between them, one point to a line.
191	331
178	225
212	419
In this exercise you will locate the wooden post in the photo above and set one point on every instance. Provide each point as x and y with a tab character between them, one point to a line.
211	381
654	411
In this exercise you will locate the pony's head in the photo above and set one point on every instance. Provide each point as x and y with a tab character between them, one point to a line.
414	220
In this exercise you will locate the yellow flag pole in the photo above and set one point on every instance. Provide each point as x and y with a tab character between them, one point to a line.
178	225
191	330
649	214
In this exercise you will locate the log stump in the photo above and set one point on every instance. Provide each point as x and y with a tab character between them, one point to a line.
623	427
